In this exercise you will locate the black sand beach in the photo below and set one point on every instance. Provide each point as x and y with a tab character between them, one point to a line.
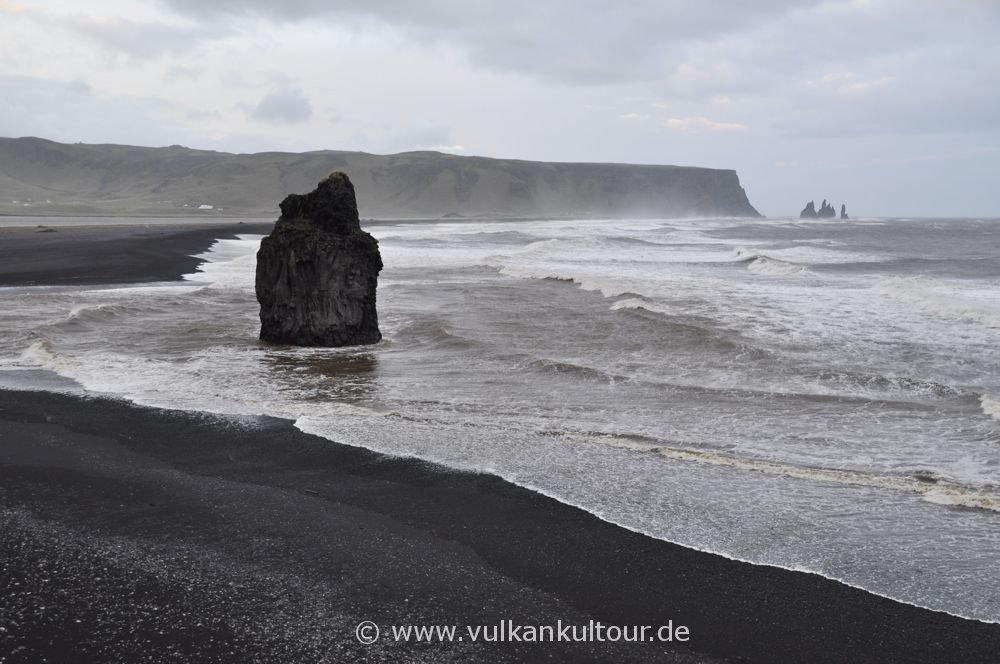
136	534
109	254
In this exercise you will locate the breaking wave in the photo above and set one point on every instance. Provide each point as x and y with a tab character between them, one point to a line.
773	267
926	484
942	298
990	406
757	397
575	370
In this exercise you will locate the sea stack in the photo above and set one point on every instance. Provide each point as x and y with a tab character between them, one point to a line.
826	211
317	271
843	211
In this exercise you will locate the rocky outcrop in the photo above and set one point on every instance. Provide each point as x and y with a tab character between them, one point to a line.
317	271
843	211
826	211
64	179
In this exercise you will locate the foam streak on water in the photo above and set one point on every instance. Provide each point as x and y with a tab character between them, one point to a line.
814	395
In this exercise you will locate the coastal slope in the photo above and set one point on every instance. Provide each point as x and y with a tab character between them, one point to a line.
39	176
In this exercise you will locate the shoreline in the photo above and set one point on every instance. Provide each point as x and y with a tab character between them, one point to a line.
163	533
91	255
448	547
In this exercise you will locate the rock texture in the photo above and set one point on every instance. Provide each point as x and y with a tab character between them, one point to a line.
61	179
826	211
317	271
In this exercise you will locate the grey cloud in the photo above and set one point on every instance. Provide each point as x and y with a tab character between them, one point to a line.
582	41
421	136
138	39
70	111
851	69
809	42
772	56
178	72
200	114
59	109
286	105
28	92
418	135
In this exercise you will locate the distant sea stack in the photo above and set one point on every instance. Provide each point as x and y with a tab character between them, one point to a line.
317	271
826	211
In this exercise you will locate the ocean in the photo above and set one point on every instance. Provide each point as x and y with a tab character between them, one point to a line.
818	395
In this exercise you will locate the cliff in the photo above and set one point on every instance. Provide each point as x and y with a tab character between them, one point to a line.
38	176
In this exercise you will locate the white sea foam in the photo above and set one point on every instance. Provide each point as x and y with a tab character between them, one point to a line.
956	301
773	267
39	354
811	254
990	406
929	487
162	288
82	310
228	263
636	303
624	498
606	284
772	418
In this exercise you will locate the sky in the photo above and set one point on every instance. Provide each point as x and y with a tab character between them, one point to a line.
891	106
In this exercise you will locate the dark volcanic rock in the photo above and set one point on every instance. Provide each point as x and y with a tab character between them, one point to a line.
826	211
317	271
843	211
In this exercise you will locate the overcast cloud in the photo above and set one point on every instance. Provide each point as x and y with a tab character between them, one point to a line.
890	105
287	105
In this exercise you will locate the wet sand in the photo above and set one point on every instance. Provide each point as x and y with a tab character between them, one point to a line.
138	534
109	254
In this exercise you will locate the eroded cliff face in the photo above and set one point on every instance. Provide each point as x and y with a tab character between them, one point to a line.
56	178
317	272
